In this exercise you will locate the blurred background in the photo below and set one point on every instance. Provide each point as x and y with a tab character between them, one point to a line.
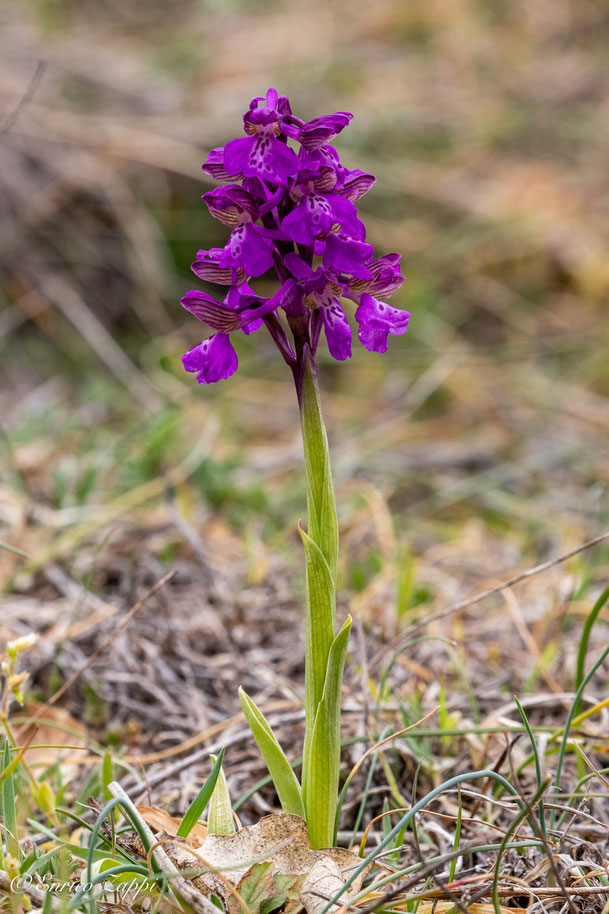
476	447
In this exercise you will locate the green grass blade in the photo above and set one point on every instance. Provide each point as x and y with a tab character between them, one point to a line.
525	720
413	811
453	863
196	808
522	815
284	779
583	644
220	820
324	763
363	802
8	770
567	727
9	811
14	550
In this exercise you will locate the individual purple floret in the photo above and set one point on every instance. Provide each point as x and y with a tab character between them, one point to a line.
290	205
262	154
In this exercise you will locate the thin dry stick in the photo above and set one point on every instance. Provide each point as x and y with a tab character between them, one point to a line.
397	643
238	738
12	117
279	704
389	739
99	650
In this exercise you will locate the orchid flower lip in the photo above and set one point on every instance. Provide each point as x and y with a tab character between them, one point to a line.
290	206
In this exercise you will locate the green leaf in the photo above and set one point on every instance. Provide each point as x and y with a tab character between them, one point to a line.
284	779
220	820
319	637
324	762
287	895
255	887
264	891
196	808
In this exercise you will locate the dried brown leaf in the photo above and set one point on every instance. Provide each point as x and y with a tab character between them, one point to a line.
160	820
322	883
281	839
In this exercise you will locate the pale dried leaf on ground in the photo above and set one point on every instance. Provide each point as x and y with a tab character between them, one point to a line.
160	820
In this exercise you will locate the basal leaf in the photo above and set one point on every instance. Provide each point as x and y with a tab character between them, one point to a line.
284	779
319	636
196	808
322	772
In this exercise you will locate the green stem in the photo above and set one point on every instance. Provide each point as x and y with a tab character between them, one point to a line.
321	502
324	656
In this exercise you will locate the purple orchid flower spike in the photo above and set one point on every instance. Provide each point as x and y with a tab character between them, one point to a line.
290	205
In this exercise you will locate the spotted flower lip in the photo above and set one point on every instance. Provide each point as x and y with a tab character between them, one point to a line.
248	249
261	154
377	321
214	359
290	205
315	213
348	255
